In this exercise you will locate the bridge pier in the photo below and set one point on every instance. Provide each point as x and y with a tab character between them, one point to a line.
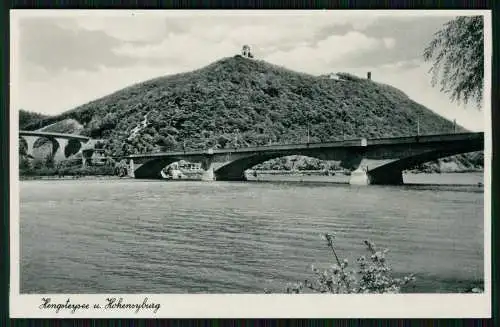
373	172
60	146
30	142
359	177
363	177
131	168
208	170
87	155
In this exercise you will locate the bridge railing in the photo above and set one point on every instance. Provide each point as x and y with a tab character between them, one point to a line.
51	134
428	138
361	142
276	147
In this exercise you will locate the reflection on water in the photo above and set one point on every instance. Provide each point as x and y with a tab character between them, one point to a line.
131	236
419	179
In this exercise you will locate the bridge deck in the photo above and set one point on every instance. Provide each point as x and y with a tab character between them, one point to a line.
56	135
336	144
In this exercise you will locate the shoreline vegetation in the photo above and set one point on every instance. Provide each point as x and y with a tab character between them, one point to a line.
373	274
85	174
292	166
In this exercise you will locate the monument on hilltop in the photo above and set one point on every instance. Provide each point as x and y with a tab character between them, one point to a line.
245	51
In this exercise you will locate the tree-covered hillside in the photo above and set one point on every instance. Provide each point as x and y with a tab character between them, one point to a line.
31	119
238	101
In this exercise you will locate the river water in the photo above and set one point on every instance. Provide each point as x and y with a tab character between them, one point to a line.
136	236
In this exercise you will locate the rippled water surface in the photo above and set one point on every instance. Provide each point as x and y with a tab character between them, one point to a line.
127	236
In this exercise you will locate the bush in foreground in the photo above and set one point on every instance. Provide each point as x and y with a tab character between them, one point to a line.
373	274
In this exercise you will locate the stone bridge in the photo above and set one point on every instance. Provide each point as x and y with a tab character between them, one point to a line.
59	142
373	161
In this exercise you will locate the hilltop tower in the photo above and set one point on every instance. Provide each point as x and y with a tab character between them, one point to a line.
245	51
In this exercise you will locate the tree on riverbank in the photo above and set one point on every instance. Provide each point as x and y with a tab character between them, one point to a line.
47	167
457	55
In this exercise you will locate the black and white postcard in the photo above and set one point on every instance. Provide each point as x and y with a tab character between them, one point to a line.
250	164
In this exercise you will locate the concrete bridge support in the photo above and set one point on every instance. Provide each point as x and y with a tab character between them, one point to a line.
208	170
30	142
58	149
359	177
363	177
371	172
87	155
131	168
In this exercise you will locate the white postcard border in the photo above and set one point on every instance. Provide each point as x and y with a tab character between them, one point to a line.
250	305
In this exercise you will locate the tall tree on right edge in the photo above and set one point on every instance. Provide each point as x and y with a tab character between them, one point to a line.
457	56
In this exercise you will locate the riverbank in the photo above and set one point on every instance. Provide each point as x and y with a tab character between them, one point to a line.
347	173
51	178
451	171
425	284
341	177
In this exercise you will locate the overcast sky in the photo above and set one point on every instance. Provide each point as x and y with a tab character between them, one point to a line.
65	60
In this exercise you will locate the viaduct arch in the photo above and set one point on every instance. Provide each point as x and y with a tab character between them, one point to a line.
59	142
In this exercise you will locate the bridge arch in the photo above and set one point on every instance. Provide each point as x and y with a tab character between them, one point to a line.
62	145
235	170
151	169
74	146
399	165
379	171
28	144
390	171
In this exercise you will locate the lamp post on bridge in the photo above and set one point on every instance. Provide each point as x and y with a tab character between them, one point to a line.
308	136
343	119
418	123
307	127
236	131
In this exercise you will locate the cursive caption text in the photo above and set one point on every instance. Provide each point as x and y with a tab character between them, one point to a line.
111	303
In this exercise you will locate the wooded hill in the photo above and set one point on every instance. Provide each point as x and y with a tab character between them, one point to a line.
238	101
32	119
